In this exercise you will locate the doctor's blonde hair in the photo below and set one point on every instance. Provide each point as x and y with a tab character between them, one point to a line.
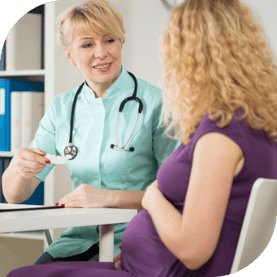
103	16
216	60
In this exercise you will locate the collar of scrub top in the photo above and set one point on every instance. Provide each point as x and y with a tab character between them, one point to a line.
114	90
71	151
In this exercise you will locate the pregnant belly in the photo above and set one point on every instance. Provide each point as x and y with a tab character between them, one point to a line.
143	252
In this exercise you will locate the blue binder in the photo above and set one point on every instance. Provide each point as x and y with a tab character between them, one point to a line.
1	173
6	87
37	197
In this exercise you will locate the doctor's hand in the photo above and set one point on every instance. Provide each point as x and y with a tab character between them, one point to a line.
152	196
30	161
85	196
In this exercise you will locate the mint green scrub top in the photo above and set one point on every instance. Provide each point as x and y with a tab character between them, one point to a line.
96	163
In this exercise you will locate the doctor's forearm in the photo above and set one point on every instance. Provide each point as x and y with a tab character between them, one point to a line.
16	188
126	199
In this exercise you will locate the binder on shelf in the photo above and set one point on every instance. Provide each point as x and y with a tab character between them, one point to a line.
16	104
1	173
5	104
3	58
23	44
6	87
37	197
32	112
6	162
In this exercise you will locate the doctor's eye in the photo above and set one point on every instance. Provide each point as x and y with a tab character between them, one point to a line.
86	45
110	40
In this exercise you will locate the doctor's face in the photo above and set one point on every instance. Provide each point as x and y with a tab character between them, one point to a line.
98	57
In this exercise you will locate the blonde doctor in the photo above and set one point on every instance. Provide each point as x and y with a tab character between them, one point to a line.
116	157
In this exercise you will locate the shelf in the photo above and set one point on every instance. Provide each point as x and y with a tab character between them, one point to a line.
31	75
16	73
6	154
37	235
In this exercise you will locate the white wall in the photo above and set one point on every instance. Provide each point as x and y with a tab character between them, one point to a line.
144	23
140	53
266	12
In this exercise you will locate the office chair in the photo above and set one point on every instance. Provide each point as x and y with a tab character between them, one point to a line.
258	224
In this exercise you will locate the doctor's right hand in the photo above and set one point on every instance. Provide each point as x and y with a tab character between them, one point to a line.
30	161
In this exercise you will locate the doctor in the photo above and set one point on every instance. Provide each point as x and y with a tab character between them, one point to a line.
116	157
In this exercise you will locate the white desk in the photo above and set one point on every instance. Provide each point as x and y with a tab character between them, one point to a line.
67	217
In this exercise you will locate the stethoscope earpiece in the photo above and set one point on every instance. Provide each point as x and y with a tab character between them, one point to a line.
71	151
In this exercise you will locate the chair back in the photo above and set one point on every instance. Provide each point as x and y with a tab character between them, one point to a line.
258	224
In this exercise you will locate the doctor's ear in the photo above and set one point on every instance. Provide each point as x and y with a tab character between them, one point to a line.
69	57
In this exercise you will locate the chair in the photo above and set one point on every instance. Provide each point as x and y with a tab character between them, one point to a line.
258	224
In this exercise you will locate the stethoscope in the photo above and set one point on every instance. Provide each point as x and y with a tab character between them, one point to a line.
71	150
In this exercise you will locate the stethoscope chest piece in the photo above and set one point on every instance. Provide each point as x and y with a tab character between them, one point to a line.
70	151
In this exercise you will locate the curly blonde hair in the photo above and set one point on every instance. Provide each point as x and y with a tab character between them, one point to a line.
103	16
217	60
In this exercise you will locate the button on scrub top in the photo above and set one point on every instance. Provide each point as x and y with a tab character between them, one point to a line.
96	164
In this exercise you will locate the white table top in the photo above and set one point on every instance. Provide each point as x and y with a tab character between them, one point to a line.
60	218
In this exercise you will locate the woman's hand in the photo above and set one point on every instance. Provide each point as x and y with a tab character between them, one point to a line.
85	196
152	196
30	161
117	259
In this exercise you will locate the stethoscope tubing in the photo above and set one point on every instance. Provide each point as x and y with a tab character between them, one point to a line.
71	151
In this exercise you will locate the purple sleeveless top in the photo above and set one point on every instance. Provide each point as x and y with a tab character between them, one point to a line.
143	252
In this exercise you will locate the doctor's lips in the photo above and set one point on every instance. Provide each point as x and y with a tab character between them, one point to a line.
48	162
102	66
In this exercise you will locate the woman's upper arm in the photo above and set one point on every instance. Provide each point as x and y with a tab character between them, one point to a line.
215	160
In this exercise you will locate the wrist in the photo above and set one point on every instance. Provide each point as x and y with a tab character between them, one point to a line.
111	199
156	202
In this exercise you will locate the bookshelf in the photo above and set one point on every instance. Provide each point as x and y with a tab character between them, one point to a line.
6	154
58	78
24	74
12	245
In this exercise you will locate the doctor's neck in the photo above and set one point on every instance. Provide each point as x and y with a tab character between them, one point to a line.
101	85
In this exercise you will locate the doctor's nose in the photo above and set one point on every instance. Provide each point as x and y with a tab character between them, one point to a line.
100	52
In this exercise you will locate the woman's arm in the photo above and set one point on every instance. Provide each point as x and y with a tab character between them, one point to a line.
18	179
193	236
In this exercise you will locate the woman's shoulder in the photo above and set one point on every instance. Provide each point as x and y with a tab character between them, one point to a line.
148	91
147	86
238	130
144	89
237	125
65	98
